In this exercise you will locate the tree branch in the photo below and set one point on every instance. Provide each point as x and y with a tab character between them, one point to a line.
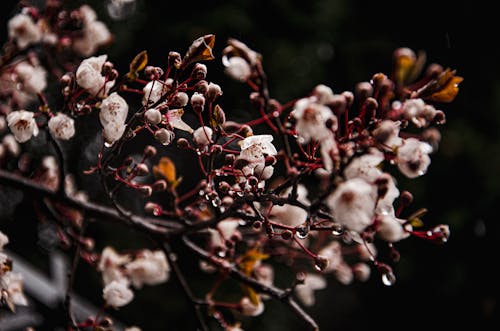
141	223
277	293
185	286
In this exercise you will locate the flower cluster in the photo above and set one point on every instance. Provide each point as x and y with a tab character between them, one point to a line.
310	184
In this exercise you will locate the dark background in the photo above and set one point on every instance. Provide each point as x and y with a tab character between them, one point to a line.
340	43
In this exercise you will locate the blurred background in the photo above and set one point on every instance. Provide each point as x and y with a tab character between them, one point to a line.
340	43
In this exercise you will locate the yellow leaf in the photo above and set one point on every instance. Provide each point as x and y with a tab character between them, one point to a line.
442	89
200	50
449	90
252	295
250	259
166	169
407	66
416	222
138	63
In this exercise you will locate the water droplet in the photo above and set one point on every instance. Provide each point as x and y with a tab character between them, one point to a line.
321	263
201	193
221	253
157	211
337	230
388	278
302	231
216	202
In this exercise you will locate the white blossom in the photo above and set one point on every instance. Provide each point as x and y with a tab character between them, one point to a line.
323	93
254	148
333	253
237	68
89	76
174	118
223	231
417	111
391	229
413	157
117	294
203	136
33	78
113	132
110	264
113	114
23	30
329	153
305	292
250	309
154	90
353	203
22	124
312	120
387	133
365	166
150	268
288	214
113	109
94	33
361	271
12	282
344	273
11	145
3	123
133	328
4	240
263	172
62	126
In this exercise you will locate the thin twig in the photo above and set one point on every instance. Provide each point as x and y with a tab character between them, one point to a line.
277	293
196	303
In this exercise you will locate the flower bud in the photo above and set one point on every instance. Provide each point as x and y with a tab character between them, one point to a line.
141	169
145	190
153	116
174	59
164	136
159	186
199	71
201	87
149	151
197	102
153	208
180	99
183	143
